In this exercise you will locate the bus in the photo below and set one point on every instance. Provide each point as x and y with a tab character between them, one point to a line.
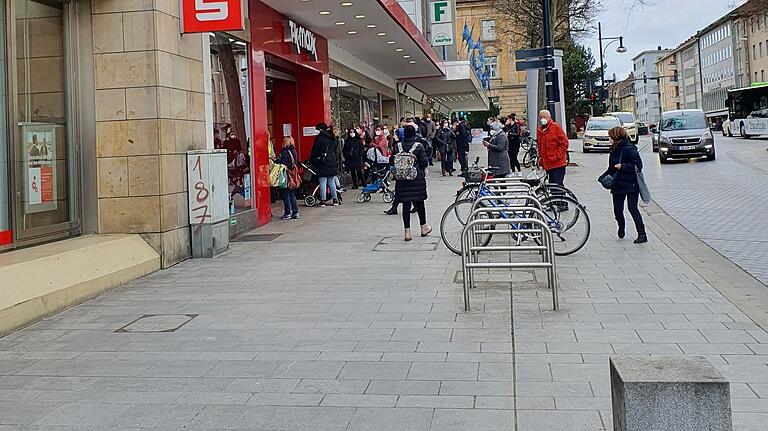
748	109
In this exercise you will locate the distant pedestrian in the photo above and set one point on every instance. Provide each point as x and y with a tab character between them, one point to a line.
727	127
514	136
353	156
413	193
288	157
623	164
324	161
553	148
463	139
431	131
498	155
445	141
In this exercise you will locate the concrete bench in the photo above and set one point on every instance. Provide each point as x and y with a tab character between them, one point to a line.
671	393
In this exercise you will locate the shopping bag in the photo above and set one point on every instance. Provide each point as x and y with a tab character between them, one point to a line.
277	177
645	192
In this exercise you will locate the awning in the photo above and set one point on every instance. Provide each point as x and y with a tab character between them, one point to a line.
378	32
459	89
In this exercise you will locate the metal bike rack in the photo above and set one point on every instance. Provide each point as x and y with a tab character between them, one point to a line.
533	224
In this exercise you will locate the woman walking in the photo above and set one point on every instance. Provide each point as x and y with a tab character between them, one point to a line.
353	156
413	193
623	164
288	158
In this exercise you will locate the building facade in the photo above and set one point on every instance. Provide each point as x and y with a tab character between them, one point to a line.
623	94
647	100
753	32
508	86
669	88
718	45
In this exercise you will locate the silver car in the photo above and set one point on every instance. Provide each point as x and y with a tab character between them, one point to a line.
684	134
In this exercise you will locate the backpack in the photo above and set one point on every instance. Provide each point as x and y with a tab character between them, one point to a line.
405	163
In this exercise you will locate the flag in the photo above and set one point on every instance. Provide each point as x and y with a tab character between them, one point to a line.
466	35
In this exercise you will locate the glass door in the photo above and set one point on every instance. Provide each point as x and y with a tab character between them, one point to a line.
44	150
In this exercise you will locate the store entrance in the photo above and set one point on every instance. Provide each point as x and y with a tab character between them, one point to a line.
282	107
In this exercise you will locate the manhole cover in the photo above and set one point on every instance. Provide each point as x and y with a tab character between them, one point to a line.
158	323
397	244
259	238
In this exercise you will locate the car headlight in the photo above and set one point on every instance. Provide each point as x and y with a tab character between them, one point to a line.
664	140
707	135
589	137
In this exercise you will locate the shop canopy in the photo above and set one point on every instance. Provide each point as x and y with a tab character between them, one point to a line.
459	90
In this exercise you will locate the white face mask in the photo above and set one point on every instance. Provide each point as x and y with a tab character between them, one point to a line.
386	133
544	121
352	135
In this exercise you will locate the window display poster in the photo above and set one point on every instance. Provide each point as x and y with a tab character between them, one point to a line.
40	164
287	130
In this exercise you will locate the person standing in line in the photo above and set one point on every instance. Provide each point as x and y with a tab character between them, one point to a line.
445	141
514	136
288	157
463	139
623	163
553	148
431	131
353	156
498	155
325	164
413	193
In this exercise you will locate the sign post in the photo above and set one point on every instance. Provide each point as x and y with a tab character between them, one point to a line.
442	29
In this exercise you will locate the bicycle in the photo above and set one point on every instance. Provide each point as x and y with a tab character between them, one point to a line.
567	219
531	156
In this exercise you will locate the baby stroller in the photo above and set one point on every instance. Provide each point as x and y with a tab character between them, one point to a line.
380	184
309	190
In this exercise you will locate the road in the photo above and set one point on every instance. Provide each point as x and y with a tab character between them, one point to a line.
723	202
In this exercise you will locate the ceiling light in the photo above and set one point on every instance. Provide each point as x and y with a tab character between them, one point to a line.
341	23
346	3
412	62
352	32
399	50
360	16
391	42
381	34
325	12
406	56
371	26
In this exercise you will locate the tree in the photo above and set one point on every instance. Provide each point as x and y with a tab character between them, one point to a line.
580	78
521	21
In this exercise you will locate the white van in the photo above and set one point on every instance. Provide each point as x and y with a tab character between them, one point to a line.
629	123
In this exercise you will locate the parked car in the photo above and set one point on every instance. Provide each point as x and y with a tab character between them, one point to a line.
596	135
642	129
629	123
685	134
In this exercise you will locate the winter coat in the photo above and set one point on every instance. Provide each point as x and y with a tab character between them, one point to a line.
464	137
498	155
431	129
627	155
444	140
324	159
415	190
553	146
285	157
353	152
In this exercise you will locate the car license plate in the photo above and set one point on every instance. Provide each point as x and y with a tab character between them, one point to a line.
688	147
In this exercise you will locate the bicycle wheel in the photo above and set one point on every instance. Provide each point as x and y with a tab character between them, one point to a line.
569	222
453	222
527	160
468	192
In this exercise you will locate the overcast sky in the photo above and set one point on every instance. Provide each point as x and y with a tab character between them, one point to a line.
666	22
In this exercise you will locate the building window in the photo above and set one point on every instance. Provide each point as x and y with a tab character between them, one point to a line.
489	29
495	101
492	64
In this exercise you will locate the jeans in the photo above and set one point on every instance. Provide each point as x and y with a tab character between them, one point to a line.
618	210
447	157
430	151
420	209
463	159
291	207
326	182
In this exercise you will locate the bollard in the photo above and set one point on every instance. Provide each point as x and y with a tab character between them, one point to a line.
669	393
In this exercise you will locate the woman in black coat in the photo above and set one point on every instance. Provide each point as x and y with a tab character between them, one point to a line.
325	163
622	161
413	192
289	158
353	156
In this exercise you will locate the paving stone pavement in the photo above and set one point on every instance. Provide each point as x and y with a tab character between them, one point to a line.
338	325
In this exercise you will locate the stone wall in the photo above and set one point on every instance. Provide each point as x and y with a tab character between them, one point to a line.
150	111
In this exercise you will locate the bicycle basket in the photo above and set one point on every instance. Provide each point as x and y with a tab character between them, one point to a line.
475	176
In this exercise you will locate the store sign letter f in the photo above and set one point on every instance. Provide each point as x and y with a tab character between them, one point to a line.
211	11
440	10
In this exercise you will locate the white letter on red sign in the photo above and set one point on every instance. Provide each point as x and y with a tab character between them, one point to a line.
211	11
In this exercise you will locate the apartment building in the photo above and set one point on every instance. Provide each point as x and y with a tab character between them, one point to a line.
717	47
647	94
669	88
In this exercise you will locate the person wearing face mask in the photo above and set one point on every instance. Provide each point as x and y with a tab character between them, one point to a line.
463	139
353	156
446	141
431	131
498	156
553	146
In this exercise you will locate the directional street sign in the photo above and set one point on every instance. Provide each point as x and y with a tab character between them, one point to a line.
524	54
536	63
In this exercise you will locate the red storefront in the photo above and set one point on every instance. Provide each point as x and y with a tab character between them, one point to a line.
289	66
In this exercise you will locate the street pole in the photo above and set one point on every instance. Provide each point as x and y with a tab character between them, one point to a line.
602	69
550	59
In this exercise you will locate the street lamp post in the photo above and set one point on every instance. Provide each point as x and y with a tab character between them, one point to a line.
621	49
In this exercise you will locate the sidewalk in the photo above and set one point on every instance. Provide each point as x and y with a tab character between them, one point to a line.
336	324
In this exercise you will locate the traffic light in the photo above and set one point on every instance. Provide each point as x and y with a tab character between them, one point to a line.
593	97
645	79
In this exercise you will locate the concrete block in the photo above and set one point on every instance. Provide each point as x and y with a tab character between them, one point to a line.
669	393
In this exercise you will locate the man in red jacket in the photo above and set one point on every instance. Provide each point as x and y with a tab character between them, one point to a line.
553	148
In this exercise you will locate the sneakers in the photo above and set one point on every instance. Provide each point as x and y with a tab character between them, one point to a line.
321	204
286	217
621	233
641	239
296	216
391	211
336	202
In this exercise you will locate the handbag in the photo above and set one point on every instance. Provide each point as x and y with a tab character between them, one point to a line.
278	177
645	192
608	181
294	177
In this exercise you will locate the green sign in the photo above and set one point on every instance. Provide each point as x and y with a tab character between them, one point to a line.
442	11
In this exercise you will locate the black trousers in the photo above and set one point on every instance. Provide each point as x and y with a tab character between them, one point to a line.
357	176
420	209
557	176
514	151
463	159
618	210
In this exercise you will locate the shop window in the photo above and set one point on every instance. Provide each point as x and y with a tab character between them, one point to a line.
46	167
231	131
489	29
